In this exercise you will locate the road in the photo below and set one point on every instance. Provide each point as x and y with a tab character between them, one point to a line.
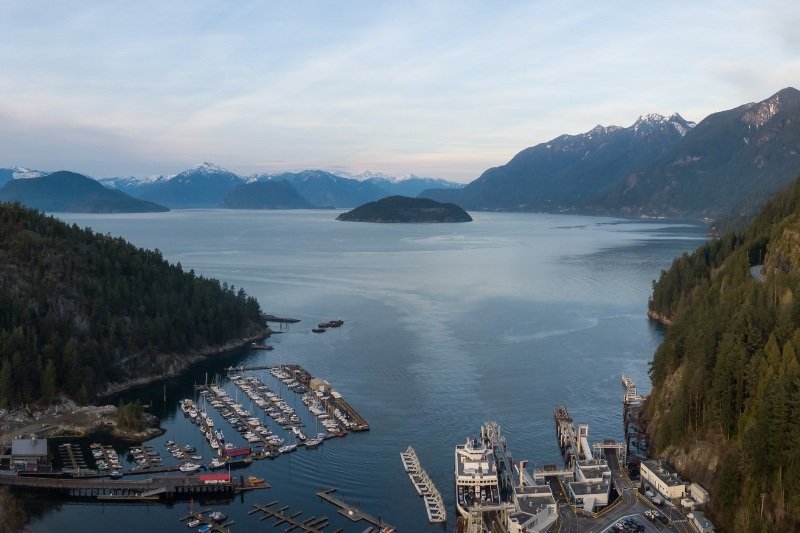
630	504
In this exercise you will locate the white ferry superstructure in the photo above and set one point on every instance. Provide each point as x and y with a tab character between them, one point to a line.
477	482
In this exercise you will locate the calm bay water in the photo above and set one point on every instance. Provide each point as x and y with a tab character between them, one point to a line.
445	326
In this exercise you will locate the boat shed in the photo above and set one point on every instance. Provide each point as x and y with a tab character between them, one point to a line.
30	454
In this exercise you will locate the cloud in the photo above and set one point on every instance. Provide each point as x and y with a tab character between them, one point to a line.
446	88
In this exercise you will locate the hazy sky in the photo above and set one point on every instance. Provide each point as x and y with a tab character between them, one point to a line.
433	88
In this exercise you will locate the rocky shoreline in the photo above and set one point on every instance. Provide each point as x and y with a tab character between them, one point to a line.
64	418
658	317
179	363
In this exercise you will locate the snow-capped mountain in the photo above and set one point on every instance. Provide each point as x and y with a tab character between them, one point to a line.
133	185
18	173
325	189
405	185
728	163
565	171
653	122
205	185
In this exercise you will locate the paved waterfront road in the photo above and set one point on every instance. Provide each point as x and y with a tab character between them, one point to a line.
630	505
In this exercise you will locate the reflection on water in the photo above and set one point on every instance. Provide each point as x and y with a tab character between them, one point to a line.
445	326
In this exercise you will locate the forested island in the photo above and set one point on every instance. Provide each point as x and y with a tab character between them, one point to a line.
402	209
83	314
725	405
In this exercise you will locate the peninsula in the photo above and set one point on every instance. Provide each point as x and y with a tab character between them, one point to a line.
402	209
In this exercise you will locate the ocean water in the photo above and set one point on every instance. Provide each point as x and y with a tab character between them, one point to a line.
446	326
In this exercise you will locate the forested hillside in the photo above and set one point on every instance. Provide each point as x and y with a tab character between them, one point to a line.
80	311
727	376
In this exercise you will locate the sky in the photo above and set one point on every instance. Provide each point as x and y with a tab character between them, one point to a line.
432	88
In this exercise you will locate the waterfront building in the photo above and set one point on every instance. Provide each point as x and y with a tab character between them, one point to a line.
535	508
663	478
30	455
592	486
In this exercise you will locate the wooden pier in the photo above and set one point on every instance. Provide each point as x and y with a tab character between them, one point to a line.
280	319
72	457
310	525
163	488
634	421
434	506
353	513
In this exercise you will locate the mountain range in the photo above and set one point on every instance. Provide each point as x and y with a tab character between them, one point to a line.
205	186
70	192
726	165
208	185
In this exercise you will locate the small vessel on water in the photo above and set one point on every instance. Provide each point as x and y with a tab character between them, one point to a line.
319	330
332	324
313	443
216	463
189	467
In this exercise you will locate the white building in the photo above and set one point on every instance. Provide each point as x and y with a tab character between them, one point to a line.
535	509
663	478
698	493
592	486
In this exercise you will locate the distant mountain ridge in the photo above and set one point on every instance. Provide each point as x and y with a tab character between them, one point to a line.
16	173
728	164
731	163
324	189
65	191
319	187
563	173
205	185
278	194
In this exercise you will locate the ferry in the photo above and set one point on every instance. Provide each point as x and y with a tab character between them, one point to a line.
477	482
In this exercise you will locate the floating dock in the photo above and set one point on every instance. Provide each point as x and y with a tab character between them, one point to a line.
353	513
434	505
215	526
72	458
310	525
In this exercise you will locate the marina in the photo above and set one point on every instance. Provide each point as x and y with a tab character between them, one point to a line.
434	505
333	402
